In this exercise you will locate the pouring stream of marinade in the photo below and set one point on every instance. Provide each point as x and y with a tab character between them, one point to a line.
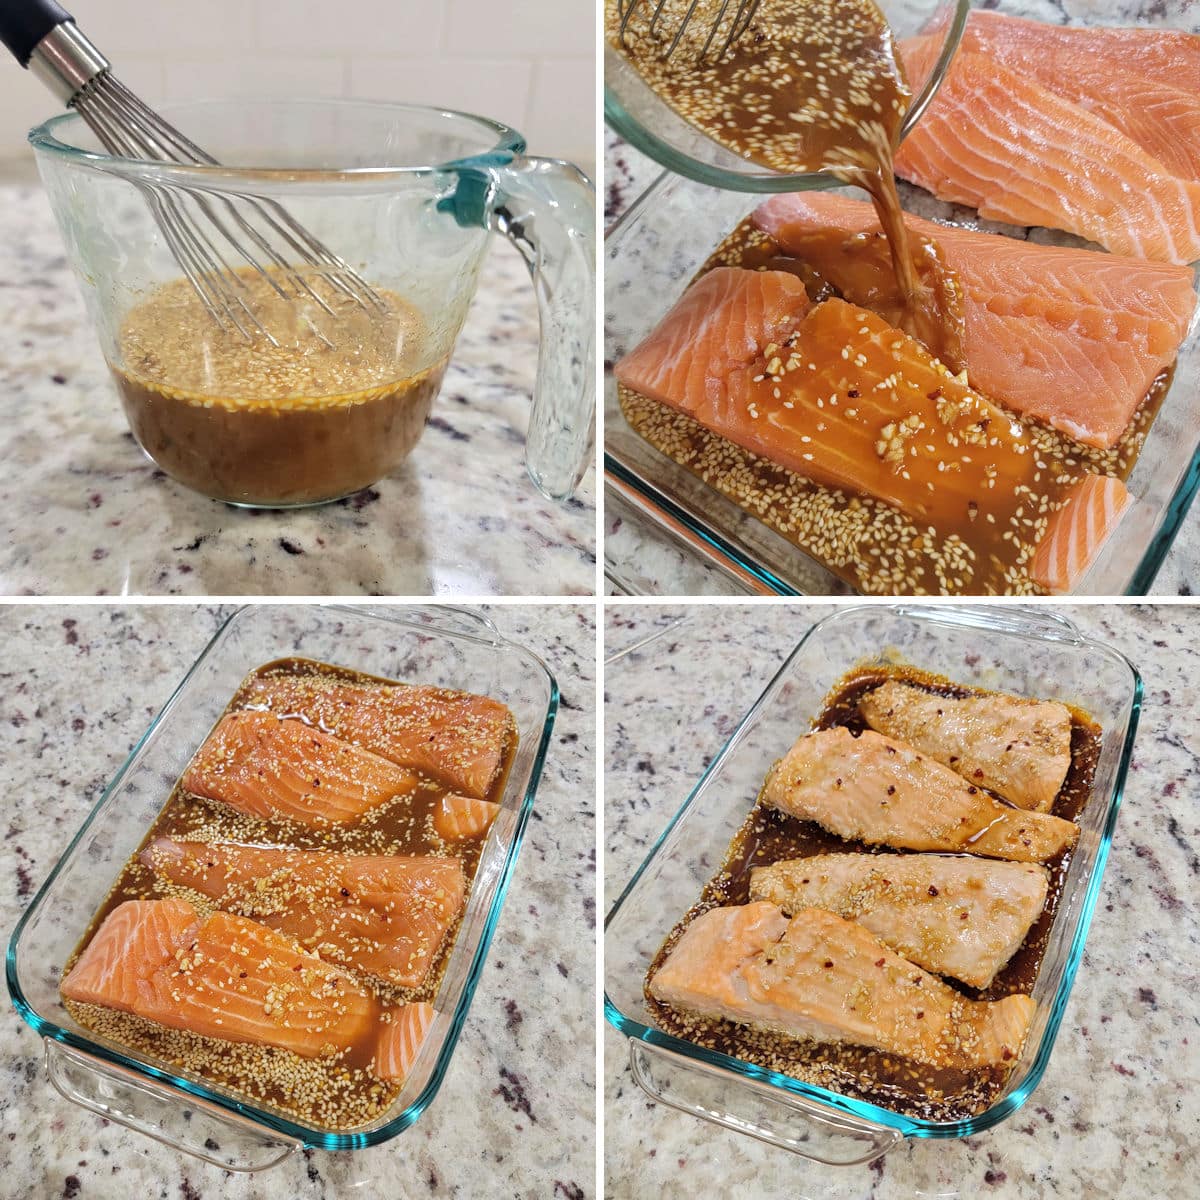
812	86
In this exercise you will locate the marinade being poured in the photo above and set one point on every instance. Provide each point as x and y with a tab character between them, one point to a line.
810	86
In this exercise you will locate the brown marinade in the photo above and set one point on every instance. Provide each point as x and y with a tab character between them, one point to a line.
767	835
337	1093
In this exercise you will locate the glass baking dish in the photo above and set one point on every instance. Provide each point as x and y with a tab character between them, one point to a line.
651	254
1022	651
449	647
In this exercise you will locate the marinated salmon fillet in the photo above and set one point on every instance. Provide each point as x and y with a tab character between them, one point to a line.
225	977
401	1040
851	403
880	791
1134	79
1020	749
462	817
1019	153
1072	337
271	768
458	737
951	914
1077	532
386	915
823	978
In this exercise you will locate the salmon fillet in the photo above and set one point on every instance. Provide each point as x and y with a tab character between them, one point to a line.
1077	532
270	768
387	915
853	404
224	977
1072	337
459	817
953	915
458	737
820	977
1019	153
876	790
1020	749
1111	73
402	1039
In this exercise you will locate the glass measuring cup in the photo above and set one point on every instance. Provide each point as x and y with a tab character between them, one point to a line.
636	112
408	196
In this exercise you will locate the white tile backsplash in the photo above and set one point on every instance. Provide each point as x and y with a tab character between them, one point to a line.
530	63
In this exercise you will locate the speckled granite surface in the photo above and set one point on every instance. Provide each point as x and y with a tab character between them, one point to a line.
643	559
85	512
1114	1115
515	1115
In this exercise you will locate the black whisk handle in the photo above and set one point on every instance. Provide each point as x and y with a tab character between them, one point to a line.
23	23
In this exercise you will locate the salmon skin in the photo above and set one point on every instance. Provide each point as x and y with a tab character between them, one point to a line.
1017	152
270	768
1071	337
1077	532
851	403
1020	749
458	737
873	789
386	915
951	914
1143	82
821	977
402	1039
225	977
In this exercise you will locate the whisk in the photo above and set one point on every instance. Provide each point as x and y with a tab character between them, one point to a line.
743	14
195	222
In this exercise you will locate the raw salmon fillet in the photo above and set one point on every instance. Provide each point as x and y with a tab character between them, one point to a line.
953	915
386	915
1020	749
853	404
459	817
1077	532
1144	82
876	790
1019	153
820	977
225	977
459	737
270	768
1072	337
401	1040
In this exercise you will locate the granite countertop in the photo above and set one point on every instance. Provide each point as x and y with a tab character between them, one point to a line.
1114	1115
515	1115
643	559
85	512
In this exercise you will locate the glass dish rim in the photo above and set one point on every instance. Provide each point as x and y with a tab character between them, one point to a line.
276	1124
507	144
695	532
907	1126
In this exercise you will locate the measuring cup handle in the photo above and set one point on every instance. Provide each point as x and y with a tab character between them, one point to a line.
547	209
223	1139
805	1127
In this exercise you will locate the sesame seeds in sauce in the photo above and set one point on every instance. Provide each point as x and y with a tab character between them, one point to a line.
811	86
338	1091
877	1077
986	548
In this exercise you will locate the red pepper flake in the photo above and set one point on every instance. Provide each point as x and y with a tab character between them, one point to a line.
879	962
891	789
932	890
828	963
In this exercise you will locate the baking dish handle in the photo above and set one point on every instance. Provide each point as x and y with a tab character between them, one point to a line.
1012	618
163	1113
793	1123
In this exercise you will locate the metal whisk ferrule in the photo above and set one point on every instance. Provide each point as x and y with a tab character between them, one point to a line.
203	228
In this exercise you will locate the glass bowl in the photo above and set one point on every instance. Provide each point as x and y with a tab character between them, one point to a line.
636	112
450	648
1028	652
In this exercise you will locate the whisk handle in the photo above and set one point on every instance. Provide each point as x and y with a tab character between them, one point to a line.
23	23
